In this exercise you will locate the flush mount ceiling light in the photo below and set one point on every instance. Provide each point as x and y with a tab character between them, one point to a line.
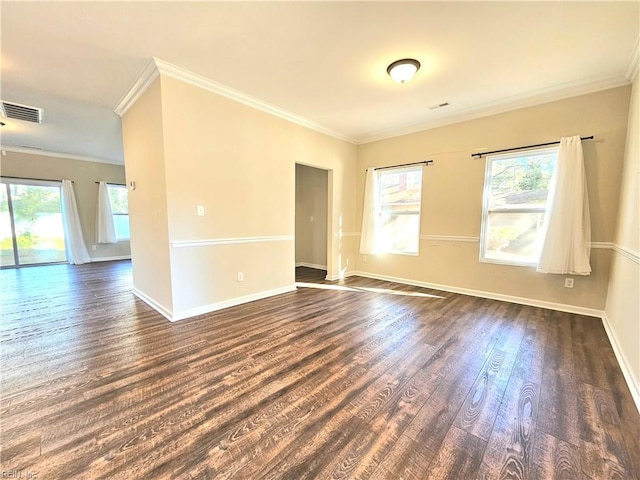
403	70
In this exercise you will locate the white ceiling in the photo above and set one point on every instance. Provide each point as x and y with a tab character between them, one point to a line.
321	61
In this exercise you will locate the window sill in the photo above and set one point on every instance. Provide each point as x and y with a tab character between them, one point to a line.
407	254
508	263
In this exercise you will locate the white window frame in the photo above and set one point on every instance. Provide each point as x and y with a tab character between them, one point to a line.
486	198
113	214
396	170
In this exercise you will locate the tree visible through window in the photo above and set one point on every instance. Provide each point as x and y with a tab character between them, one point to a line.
400	198
515	200
120	210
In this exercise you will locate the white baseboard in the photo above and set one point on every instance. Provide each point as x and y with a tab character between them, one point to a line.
622	361
161	309
110	259
484	294
334	278
232	302
311	265
212	307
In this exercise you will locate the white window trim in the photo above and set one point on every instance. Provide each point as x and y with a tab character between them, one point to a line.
485	205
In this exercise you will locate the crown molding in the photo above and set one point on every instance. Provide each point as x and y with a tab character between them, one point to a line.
47	153
135	91
539	97
634	61
158	67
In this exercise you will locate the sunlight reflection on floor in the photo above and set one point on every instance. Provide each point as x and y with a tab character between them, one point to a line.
365	289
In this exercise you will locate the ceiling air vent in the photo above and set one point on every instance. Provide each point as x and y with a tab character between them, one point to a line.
22	112
440	105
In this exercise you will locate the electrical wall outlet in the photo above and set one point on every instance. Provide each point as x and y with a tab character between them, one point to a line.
94	247
568	282
365	258
200	210
240	276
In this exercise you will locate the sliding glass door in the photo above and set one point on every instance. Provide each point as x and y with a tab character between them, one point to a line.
7	239
31	231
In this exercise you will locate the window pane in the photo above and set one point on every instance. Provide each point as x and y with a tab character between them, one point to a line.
6	237
118	196
400	196
514	237
119	199
515	199
121	222
523	181
38	223
400	233
402	187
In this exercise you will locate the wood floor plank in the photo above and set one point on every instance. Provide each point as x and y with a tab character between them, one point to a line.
559	395
407	460
478	412
458	457
553	458
603	452
587	334
625	406
435	418
360	378
510	446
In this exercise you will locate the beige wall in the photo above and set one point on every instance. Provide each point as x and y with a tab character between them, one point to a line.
623	300
84	175
142	134
239	163
311	216
453	186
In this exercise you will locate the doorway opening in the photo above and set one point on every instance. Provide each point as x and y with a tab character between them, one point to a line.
31	229
311	219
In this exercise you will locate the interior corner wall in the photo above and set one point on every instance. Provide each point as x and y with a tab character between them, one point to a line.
452	198
623	300
311	216
143	141
84	174
238	163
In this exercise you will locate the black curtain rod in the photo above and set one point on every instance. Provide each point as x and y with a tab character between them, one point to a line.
36	179
117	184
481	154
426	162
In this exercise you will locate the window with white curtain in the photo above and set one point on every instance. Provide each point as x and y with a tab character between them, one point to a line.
120	210
400	196
516	193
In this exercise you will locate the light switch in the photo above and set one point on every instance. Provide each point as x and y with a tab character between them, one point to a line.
200	209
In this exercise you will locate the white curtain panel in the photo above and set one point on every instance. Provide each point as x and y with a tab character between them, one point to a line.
74	241
567	243
370	213
106	230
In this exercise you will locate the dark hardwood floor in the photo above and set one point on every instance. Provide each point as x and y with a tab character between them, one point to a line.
355	379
